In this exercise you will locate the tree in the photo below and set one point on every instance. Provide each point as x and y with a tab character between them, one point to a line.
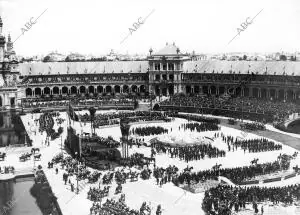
46	59
282	57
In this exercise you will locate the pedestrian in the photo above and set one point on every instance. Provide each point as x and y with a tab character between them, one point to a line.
72	187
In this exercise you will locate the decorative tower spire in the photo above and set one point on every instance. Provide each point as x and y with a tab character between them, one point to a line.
1	25
150	51
9	44
2	42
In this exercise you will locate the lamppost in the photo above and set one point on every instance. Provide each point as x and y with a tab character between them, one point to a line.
77	189
150	101
61	146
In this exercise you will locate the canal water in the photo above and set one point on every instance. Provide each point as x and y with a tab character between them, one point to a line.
21	196
16	199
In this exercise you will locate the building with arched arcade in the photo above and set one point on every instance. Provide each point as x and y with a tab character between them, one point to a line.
165	73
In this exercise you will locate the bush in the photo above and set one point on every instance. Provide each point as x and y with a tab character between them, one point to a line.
60	130
145	174
232	121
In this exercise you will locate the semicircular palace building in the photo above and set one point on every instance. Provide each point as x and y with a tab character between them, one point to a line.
165	72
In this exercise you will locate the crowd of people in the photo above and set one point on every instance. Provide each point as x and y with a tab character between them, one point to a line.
72	167
196	118
7	169
104	119
253	126
164	175
251	145
188	152
112	207
137	159
269	110
200	127
108	142
55	102
148	130
223	200
257	145
237	175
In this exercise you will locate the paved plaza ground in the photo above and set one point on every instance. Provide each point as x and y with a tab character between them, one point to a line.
173	199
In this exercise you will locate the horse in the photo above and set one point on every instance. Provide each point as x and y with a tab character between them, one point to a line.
37	157
254	161
134	176
33	150
216	167
295	154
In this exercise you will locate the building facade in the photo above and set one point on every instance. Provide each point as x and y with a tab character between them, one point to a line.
164	73
9	69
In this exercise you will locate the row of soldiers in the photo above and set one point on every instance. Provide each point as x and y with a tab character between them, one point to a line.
189	153
225	199
236	175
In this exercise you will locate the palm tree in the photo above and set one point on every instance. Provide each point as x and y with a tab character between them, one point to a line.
92	111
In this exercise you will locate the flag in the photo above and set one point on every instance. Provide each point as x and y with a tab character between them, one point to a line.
72	113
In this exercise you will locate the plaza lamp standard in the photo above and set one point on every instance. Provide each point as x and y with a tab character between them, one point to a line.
77	188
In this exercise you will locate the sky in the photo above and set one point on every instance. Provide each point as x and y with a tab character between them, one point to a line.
204	26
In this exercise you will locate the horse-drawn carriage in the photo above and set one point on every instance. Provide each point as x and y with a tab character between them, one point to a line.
2	156
93	178
107	178
25	156
134	176
95	194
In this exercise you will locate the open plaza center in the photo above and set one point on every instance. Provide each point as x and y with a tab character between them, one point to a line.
185	198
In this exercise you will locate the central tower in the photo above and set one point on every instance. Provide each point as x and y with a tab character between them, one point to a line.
165	69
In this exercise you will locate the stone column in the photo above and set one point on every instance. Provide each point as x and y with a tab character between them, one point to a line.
285	95
259	93
200	89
